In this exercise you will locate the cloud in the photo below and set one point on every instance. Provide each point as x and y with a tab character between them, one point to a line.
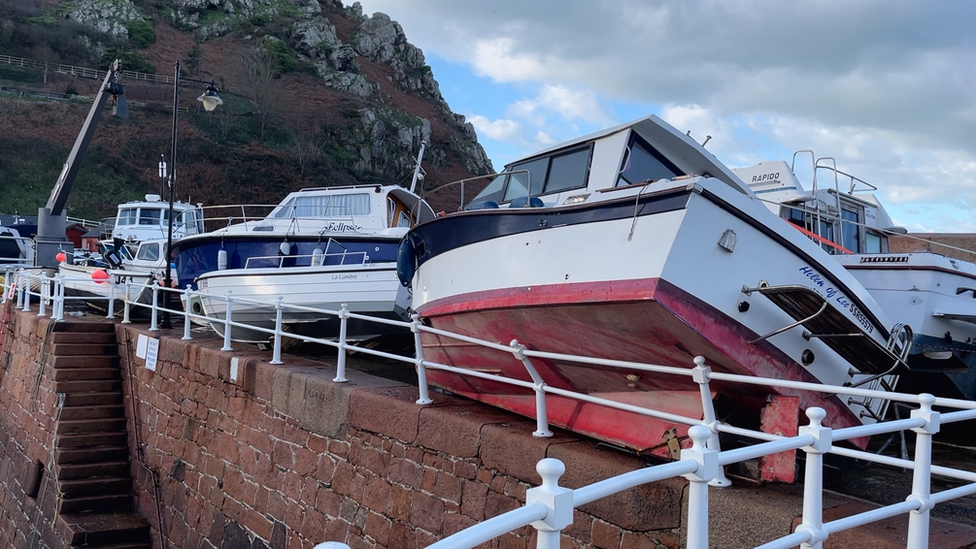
501	129
885	87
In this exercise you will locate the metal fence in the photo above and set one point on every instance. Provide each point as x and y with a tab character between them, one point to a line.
549	507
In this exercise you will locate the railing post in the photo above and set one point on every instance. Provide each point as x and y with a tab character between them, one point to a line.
227	321
111	297
187	305
541	412
918	520
276	354
341	357
58	313
698	487
702	375
419	361
813	478
125	306
41	310
25	289
153	325
557	499
20	289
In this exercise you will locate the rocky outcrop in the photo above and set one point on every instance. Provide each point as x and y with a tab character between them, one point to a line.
377	138
111	17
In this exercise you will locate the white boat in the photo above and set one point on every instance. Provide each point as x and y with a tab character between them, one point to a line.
149	220
636	244
321	247
104	282
933	294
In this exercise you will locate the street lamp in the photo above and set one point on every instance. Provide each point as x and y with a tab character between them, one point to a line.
210	101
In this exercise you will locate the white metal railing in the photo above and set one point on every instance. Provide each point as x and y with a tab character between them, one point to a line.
549	507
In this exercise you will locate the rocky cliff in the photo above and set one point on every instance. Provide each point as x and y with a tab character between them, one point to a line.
316	93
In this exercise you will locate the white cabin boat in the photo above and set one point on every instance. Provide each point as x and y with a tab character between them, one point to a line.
149	220
101	283
933	294
321	247
636	244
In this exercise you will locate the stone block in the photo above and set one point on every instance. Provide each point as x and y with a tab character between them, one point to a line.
510	449
389	411
455	427
654	506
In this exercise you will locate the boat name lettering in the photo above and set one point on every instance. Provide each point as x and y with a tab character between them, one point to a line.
343	228
862	318
771	176
345	277
813	276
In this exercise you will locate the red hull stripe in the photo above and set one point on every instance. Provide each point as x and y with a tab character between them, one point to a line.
647	320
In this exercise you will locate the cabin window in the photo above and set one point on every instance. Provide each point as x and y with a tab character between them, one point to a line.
127	216
643	163
149	252
797	217
872	243
534	176
343	205
150	217
390	207
404	220
851	229
568	171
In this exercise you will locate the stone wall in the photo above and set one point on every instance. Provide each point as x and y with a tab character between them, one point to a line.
28	406
230	451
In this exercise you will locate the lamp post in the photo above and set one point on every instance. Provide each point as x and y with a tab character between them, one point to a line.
210	101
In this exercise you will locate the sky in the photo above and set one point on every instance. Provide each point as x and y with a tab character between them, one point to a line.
885	87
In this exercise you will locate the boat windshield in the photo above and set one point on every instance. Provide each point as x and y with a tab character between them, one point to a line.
333	205
560	171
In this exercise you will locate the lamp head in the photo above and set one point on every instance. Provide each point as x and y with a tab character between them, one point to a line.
209	98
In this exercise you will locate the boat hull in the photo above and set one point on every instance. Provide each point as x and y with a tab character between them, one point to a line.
79	282
654	286
370	289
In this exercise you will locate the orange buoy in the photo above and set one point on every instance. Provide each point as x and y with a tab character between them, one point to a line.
61	256
99	276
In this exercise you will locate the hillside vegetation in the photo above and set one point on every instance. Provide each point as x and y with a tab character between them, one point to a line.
315	94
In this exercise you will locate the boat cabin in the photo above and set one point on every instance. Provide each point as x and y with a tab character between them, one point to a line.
343	210
838	211
630	154
149	219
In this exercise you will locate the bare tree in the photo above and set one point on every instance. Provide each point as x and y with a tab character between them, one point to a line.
260	84
305	147
44	55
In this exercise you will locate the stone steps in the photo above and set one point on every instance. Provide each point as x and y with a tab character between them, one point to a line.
94	487
97	411
91	454
92	398
80	471
83	337
84	374
93	440
101	425
105	504
88	386
118	531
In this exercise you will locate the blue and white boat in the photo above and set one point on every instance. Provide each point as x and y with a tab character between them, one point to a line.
320	247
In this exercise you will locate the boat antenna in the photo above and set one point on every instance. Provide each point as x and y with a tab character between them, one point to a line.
707	139
418	172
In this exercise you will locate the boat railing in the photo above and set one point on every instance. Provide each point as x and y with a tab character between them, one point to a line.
549	507
456	191
23	243
313	260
